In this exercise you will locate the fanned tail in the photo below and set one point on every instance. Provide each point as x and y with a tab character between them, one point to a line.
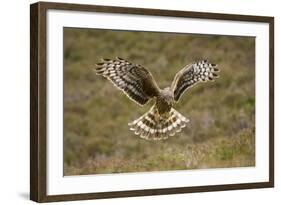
152	126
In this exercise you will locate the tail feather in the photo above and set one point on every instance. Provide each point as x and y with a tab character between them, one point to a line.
152	126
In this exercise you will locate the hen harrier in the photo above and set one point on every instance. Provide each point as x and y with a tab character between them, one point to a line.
162	120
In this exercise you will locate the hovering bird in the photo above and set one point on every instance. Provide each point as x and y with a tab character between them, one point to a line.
162	120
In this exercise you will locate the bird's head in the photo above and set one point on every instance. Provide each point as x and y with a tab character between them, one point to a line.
168	94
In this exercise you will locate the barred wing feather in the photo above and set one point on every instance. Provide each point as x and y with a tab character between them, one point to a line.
201	71
134	80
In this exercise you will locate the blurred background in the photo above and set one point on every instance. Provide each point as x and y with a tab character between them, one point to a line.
221	132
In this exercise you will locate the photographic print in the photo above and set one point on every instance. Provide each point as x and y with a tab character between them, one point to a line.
137	101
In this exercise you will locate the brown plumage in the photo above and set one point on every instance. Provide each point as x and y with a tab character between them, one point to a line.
162	120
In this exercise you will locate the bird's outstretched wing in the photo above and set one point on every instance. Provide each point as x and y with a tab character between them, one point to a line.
192	74
134	80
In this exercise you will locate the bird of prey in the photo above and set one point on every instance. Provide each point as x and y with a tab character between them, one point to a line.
162	120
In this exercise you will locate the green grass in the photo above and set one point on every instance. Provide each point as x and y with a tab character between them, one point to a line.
222	113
